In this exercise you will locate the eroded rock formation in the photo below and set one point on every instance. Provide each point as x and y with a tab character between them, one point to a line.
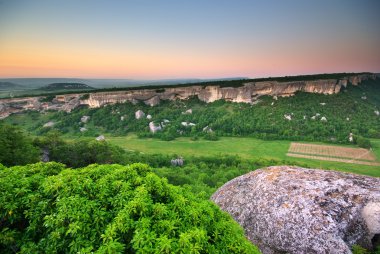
249	92
295	210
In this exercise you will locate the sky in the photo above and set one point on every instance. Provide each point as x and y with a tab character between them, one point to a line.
161	39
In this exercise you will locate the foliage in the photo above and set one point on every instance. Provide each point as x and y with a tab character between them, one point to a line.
15	147
108	209
79	153
362	142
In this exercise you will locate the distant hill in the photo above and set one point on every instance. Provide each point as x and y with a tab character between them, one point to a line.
66	86
9	86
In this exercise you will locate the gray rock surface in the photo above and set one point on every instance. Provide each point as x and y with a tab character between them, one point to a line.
295	210
101	138
154	128
84	119
48	124
139	114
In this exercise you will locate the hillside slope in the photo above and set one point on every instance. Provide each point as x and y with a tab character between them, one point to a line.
66	86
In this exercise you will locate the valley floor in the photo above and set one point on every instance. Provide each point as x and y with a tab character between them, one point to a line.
247	148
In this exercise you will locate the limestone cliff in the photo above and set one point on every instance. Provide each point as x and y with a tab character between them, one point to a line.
249	92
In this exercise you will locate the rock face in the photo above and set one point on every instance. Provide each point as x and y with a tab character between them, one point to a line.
295	210
249	92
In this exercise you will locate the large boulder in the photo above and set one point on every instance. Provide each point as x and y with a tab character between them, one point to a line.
139	114
296	210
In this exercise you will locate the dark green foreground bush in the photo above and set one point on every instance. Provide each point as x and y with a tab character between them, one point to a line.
46	208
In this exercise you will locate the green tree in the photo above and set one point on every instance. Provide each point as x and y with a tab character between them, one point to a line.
15	147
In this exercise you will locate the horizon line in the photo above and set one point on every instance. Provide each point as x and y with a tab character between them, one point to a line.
185	78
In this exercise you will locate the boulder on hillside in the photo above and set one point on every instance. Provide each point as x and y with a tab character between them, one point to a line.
101	138
154	128
48	124
139	114
84	119
296	210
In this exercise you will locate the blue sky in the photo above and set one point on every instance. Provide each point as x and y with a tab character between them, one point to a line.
172	39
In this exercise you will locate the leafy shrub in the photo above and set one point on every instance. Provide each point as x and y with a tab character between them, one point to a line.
211	136
362	142
108	209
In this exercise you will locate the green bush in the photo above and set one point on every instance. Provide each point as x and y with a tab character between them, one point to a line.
15	147
362	142
108	209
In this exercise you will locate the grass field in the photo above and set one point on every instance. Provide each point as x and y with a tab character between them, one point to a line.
248	148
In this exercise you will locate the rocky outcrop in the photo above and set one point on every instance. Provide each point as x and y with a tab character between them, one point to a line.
295	210
249	92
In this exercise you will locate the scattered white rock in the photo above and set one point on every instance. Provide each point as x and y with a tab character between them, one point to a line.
348	119
351	137
322	103
154	128
149	117
101	138
317	114
288	117
364	97
377	112
187	124
84	119
166	121
139	114
188	112
272	103
323	119
49	124
275	98
313	117
207	129
83	129
177	162
122	118
304	117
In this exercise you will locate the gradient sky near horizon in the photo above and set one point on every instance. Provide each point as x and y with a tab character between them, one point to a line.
154	39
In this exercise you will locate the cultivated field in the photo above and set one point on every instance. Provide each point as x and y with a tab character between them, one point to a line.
332	153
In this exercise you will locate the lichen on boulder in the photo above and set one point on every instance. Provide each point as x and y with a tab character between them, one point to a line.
296	210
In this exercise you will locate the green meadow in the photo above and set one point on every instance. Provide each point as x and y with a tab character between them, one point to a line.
247	148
